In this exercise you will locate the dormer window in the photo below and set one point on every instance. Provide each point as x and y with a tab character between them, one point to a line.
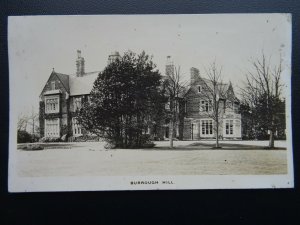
199	88
53	85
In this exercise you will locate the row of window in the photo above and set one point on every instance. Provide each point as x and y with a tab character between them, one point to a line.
206	106
52	104
52	127
206	127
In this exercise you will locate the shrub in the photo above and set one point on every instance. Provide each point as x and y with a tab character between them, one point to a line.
24	137
50	139
85	138
33	147
110	145
146	141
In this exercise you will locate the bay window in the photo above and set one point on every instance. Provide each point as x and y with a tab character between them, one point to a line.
52	104
52	128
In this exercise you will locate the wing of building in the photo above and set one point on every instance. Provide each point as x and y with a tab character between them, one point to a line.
199	120
61	96
196	118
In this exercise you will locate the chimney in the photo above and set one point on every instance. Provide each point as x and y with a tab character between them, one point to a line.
79	65
113	56
169	66
194	75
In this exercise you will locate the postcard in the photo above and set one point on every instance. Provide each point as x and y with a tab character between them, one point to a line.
150	102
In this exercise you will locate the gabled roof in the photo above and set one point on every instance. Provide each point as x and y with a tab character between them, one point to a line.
227	88
64	79
75	85
82	85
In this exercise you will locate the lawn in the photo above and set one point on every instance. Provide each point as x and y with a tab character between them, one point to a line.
187	158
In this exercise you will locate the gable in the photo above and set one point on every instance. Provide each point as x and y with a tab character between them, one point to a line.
61	82
227	89
231	96
194	88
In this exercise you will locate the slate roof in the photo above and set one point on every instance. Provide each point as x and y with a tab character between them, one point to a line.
82	85
64	79
73	84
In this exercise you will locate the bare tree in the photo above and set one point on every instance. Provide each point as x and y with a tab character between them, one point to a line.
33	119
28	122
175	87
263	93
22	122
214	93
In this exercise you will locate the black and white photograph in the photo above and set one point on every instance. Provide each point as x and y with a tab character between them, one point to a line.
150	102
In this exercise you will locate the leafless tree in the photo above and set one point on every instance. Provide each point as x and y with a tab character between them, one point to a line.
214	93
175	87
29	122
263	92
22	122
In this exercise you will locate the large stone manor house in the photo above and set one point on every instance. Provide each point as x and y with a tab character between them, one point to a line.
63	94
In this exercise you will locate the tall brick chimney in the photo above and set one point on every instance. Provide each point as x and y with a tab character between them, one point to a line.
194	74
169	67
113	57
79	65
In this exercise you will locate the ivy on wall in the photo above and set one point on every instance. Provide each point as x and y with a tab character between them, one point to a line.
42	118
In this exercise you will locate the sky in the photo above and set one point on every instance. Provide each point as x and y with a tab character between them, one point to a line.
39	43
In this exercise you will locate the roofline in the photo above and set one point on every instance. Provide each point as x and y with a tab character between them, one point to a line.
49	79
63	82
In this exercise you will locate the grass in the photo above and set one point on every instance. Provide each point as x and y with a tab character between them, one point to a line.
187	158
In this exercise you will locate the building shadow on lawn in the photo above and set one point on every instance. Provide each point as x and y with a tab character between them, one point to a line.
208	146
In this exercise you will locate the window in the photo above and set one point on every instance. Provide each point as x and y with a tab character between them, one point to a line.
176	103
52	104
77	103
230	106
236	108
206	127
229	127
148	130
53	85
199	88
167	106
205	106
52	128
76	127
